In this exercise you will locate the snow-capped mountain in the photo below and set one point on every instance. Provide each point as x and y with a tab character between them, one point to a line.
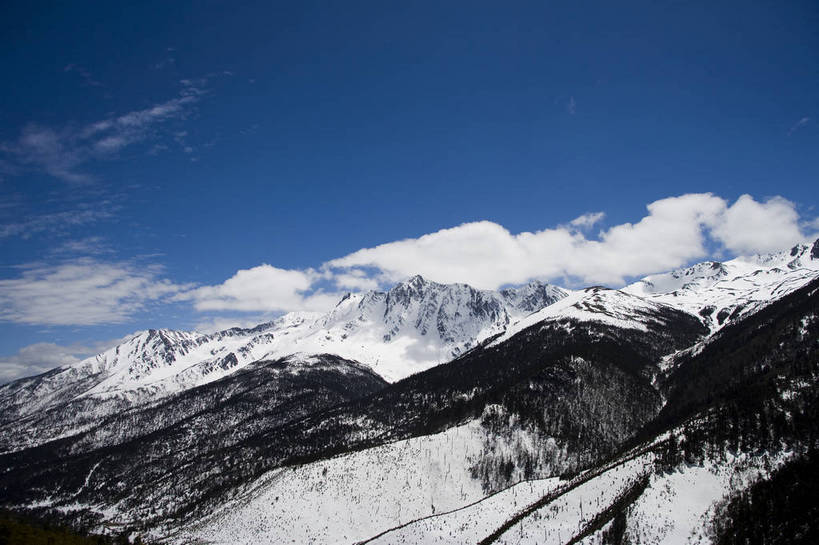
411	327
418	323
722	292
407	329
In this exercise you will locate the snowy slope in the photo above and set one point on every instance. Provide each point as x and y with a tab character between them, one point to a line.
677	506
351	497
723	292
599	305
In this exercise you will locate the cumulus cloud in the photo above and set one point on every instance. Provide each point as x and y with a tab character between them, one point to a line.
749	226
672	234
83	291
263	289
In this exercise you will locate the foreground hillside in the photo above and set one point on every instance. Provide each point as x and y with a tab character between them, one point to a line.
691	475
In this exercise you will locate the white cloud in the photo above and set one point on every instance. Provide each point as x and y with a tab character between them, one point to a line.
587	221
750	226
263	289
355	279
84	74
53	152
83	291
487	255
673	234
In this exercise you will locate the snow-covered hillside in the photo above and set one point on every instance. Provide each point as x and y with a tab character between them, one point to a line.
600	305
352	497
723	292
419	491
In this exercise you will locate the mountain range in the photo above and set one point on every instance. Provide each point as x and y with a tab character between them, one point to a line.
669	411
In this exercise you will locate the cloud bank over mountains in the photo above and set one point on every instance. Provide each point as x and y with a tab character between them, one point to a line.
674	232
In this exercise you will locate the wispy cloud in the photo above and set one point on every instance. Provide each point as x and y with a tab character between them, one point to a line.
83	73
83	291
812	225
36	359
213	324
87	246
587	221
571	106
62	152
56	153
58	222
168	61
798	125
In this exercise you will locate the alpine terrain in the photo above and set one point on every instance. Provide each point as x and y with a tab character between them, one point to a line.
682	408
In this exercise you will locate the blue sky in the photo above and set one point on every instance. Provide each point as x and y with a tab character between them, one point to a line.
194	164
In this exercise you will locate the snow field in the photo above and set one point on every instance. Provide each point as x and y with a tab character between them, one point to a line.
351	497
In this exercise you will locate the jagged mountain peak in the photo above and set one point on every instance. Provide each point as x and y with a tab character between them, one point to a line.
417	281
533	296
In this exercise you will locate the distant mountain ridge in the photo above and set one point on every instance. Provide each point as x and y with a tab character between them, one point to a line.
411	327
722	292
